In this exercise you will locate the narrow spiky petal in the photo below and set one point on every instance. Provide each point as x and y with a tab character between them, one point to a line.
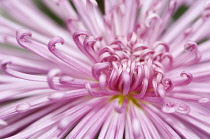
112	69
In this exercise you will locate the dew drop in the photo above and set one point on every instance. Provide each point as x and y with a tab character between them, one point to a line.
63	123
204	100
168	109
23	107
136	126
183	109
55	96
3	123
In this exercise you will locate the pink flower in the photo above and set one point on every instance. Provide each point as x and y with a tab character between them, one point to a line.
131	71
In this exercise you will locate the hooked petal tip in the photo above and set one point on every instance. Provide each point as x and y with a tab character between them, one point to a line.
54	41
22	33
5	63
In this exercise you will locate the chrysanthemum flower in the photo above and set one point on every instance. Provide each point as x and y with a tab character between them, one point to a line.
130	69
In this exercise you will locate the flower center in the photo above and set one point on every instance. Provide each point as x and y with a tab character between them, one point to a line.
132	69
129	66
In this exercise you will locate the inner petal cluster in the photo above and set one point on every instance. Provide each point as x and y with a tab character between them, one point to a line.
129	66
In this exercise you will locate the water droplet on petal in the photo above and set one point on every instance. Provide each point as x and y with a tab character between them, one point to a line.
55	96
22	107
204	100
63	123
169	107
3	123
136	126
182	108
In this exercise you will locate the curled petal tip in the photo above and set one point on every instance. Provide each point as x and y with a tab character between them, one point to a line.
79	32
89	41
144	88
161	43
4	64
98	68
54	72
21	33
159	70
54	41
151	18
168	83
190	45
188	75
76	35
51	74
